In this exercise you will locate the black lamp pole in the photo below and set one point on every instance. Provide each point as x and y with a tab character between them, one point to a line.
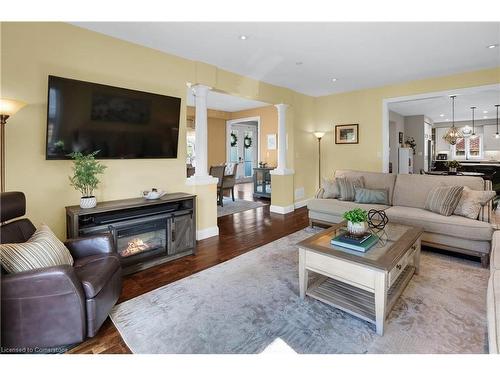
473	129
319	160
3	121
497	135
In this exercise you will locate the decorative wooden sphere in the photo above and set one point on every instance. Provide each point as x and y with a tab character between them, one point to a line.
377	219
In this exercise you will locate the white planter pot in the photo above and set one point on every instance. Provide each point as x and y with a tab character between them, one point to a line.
357	228
88	202
452	170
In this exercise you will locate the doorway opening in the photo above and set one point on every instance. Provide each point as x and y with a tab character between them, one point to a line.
243	146
237	144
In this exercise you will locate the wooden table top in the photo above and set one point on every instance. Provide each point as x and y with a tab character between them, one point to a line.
394	242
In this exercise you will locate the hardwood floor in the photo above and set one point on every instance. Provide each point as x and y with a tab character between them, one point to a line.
238	234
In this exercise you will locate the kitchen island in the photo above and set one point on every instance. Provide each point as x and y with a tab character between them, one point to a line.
490	168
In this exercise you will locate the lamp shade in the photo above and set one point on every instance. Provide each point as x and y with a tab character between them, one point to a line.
319	134
8	107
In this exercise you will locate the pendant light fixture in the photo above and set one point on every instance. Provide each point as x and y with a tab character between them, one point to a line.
497	135
473	128
453	133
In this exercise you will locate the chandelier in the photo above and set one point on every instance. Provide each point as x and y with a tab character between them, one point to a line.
453	133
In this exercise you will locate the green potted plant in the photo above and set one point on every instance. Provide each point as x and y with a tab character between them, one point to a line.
452	165
84	179
356	221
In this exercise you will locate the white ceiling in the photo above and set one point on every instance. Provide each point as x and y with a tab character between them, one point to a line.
359	55
435	107
225	102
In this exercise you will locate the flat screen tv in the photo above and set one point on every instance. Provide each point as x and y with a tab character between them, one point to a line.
119	123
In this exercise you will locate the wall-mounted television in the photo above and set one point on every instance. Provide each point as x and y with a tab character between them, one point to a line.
118	122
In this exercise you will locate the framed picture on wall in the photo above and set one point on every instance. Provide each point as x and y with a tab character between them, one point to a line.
400	138
271	141
346	134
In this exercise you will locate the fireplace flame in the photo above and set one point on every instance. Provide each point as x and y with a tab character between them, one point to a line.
135	246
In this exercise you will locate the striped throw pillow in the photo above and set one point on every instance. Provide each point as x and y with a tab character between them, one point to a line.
43	249
347	187
443	199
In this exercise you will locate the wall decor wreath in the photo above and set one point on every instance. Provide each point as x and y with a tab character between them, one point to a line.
247	141
234	139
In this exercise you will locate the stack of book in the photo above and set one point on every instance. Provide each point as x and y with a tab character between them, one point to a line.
359	243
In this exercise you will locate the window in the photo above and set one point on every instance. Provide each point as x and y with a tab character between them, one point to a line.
468	148
460	148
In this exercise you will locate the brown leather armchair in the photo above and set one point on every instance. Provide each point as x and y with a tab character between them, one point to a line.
55	306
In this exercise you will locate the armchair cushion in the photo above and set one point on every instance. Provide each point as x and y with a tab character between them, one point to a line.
95	271
43	249
92	245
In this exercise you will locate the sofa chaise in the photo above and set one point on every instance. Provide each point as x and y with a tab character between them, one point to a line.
493	297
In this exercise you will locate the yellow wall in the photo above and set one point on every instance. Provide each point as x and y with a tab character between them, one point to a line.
362	107
216	128
216	141
32	51
217	132
268	125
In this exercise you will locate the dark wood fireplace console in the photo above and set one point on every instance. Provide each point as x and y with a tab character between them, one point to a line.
145	232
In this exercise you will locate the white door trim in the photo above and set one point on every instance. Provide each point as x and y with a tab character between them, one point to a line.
428	95
228	134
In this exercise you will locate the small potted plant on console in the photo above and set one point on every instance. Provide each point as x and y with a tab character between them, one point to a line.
356	221
452	165
84	179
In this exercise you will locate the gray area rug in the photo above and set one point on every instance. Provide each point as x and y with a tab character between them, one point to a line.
244	304
239	205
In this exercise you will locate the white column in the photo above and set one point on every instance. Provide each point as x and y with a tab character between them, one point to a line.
281	168
201	176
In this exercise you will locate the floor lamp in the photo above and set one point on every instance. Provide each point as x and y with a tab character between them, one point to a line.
319	135
8	107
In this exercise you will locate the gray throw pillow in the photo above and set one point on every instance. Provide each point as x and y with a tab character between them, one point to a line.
471	202
374	196
347	185
443	199
43	249
330	189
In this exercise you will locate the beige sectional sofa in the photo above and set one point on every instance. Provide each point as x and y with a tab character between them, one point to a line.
493	298
407	195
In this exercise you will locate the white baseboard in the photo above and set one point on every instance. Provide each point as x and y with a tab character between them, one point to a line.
206	233
282	210
302	203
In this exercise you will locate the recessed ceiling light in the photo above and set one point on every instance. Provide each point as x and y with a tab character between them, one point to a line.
485	116
243	37
491	46
485	111
441	115
447	119
334	79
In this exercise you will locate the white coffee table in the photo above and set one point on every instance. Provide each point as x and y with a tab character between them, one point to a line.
365	285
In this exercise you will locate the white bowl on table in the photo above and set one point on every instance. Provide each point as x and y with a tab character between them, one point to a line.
151	195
